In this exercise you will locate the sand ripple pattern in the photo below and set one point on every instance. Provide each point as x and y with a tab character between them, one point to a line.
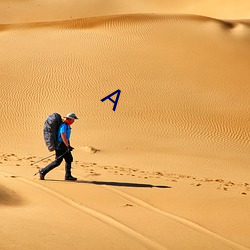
173	90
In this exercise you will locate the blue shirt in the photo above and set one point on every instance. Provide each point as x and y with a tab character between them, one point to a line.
64	128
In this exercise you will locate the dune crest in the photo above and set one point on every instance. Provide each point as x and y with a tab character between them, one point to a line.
110	20
49	10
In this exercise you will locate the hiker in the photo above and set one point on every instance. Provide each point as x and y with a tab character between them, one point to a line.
63	149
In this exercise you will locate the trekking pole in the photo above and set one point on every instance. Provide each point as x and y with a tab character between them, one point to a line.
49	157
41	160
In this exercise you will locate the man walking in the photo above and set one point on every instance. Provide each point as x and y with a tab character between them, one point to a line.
63	150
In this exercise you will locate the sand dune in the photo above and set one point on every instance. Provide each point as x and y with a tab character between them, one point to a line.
37	11
169	169
190	110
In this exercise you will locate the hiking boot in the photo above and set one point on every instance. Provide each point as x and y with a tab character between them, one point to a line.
41	175
70	178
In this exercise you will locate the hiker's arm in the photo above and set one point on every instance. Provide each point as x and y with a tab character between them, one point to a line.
66	142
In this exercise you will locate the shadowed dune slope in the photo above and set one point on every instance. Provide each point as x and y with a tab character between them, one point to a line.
8	197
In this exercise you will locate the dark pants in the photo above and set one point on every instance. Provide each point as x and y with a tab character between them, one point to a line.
67	156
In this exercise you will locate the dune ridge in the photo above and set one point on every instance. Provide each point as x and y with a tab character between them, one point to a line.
110	20
50	11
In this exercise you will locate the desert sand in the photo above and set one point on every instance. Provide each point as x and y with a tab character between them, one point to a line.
169	168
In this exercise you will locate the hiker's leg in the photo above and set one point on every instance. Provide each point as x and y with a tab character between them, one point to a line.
53	164
68	160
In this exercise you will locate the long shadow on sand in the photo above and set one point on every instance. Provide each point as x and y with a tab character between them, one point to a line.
114	183
122	184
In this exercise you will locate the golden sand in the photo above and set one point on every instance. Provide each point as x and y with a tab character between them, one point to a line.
169	168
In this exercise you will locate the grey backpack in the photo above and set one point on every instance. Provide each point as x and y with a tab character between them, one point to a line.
50	130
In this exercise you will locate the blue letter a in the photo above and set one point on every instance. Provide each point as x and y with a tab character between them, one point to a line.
109	97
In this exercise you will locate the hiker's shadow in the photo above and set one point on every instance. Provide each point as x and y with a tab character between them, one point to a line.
122	184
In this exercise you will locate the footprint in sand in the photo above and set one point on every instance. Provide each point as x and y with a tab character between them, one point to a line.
128	205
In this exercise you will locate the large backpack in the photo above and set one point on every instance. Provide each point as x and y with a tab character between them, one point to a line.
50	130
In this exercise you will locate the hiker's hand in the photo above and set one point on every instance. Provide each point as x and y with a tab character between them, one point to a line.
69	148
